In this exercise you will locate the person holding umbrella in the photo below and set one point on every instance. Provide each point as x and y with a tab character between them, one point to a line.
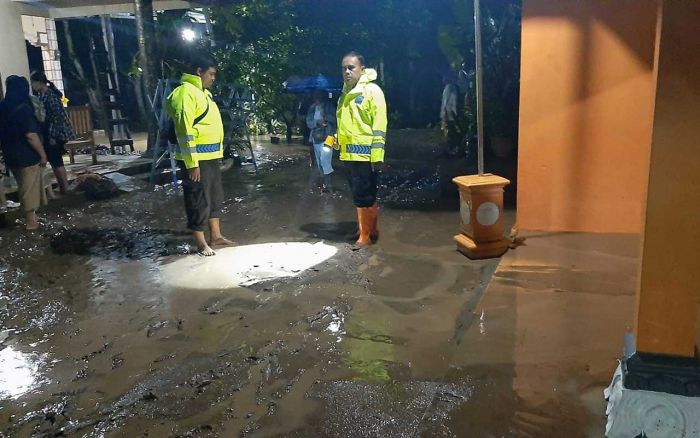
362	122
308	86
321	120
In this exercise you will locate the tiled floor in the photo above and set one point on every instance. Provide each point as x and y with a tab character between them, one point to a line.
555	315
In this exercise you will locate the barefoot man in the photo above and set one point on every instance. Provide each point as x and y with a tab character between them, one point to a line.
200	133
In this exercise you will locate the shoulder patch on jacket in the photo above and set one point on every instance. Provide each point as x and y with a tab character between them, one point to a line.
359	99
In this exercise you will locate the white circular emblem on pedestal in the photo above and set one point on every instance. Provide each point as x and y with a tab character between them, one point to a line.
487	214
466	212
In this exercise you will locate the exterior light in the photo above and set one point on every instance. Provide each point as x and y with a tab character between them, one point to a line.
188	35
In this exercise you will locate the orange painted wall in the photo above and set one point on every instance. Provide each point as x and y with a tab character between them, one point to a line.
586	112
668	294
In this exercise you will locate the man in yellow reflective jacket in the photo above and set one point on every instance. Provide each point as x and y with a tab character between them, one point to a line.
200	136
362	124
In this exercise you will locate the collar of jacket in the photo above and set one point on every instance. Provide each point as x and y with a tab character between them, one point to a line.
192	79
370	75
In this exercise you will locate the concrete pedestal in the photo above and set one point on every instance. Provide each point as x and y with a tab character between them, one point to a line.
651	414
481	213
483	250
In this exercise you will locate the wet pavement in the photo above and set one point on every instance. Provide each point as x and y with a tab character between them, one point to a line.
105	332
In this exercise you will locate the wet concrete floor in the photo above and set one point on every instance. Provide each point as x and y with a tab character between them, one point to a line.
378	342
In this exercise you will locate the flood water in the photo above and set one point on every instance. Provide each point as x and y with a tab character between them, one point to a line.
110	327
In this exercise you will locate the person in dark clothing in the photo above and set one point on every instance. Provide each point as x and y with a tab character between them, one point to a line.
302	111
57	129
22	148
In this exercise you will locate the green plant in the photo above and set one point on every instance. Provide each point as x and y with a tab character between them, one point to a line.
501	39
277	127
500	27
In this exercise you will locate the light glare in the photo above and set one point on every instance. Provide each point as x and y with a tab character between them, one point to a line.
188	35
245	265
18	373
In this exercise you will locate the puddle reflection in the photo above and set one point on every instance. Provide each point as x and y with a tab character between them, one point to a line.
19	372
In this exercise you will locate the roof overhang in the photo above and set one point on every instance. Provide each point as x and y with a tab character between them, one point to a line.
85	8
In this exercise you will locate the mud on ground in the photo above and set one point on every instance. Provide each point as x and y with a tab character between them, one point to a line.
370	342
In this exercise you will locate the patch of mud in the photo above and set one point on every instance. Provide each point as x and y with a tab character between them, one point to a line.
117	243
401	409
410	185
357	345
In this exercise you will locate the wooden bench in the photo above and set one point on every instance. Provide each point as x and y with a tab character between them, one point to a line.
81	121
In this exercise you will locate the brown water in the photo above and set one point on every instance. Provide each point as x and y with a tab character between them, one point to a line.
381	341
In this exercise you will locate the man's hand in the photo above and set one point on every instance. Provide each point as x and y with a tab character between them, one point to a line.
43	160
377	166
194	173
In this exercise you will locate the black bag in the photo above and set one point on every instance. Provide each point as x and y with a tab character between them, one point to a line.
170	134
96	187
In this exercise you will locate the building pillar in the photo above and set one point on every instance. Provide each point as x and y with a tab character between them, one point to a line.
656	389
13	52
145	29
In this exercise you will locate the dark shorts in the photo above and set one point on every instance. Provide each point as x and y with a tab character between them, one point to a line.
363	183
203	199
54	152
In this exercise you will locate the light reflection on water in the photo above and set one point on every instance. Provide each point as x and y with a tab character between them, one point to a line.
246	265
19	372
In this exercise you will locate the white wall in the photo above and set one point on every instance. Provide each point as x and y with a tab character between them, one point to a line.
13	52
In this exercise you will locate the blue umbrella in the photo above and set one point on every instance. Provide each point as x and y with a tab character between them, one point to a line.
307	84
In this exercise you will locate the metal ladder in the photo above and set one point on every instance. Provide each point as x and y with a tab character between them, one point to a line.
162	149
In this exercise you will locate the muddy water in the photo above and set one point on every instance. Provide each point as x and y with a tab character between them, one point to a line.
369	342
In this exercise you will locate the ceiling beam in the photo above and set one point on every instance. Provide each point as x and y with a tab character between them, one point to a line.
45	9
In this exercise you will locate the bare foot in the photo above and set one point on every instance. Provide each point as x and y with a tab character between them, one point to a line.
205	251
31	222
221	241
32	227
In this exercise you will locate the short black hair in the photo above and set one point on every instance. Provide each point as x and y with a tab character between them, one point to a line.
202	61
357	55
40	76
16	91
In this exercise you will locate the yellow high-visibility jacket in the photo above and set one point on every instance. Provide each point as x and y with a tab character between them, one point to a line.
362	120
203	141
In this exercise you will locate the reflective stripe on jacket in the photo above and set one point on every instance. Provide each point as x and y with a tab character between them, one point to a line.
203	141
362	120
